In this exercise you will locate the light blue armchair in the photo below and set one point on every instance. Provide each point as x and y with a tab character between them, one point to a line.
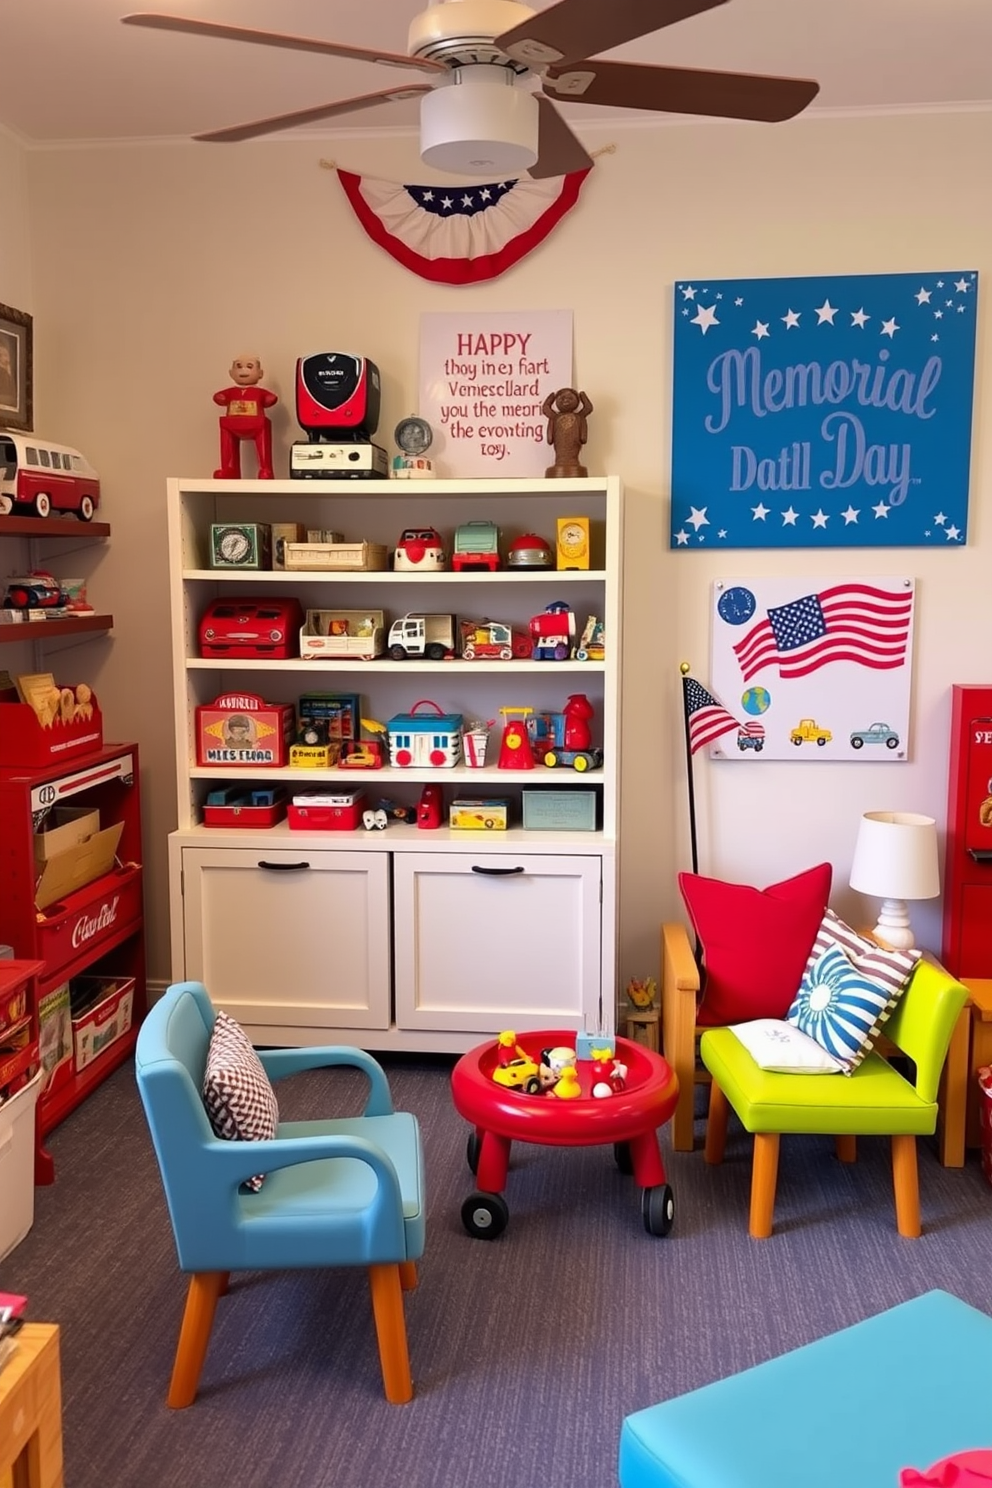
342	1192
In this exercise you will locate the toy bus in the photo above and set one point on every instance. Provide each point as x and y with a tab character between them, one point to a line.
38	477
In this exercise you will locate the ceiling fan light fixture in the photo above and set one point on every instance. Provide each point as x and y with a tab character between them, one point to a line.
480	121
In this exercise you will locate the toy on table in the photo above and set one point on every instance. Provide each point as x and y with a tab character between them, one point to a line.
245	418
568	1087
566	412
515	1070
552	631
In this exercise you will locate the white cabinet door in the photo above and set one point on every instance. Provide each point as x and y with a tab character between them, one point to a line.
486	942
300	944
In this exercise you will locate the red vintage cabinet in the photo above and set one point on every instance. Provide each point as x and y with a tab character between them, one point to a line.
96	929
967	938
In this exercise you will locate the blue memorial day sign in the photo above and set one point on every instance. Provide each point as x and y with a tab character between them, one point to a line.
824	412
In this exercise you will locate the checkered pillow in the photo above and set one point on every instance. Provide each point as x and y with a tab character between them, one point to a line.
849	989
237	1093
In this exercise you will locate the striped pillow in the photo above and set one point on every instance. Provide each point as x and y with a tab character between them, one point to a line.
849	989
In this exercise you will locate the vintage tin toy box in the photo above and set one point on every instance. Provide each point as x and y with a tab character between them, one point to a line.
240	728
432	738
333	811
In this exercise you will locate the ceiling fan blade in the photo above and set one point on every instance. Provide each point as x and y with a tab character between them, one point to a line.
311	115
190	27
559	151
682	90
574	29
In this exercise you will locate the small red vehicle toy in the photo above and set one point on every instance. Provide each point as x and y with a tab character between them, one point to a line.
420	550
34	591
553	632
493	640
251	627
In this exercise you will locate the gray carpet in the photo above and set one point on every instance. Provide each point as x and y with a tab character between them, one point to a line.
527	1352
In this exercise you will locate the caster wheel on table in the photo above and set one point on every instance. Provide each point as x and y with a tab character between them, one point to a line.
485	1215
622	1157
658	1209
472	1150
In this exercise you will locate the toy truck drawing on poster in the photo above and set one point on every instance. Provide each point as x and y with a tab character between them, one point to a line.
430	636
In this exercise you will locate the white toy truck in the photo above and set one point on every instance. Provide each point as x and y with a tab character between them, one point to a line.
430	636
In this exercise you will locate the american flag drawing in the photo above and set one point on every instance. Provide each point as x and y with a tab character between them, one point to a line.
706	719
862	623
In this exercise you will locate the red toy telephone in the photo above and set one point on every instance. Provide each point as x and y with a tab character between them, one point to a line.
430	807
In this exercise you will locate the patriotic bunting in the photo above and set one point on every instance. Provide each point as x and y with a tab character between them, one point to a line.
461	234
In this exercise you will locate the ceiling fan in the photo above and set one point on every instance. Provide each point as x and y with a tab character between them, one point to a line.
481	111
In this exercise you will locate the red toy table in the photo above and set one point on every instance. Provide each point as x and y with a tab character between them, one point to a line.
629	1119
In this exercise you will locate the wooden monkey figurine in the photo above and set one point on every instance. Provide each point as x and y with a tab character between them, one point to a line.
243	418
566	412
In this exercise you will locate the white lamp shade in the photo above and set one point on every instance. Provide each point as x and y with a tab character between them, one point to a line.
895	856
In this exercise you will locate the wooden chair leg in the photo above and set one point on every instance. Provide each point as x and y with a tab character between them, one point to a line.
716	1125
906	1181
408	1275
194	1335
764	1176
390	1327
846	1147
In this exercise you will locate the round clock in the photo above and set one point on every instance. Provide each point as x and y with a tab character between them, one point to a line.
233	545
413	435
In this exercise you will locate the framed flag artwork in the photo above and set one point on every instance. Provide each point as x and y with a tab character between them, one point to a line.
824	412
813	669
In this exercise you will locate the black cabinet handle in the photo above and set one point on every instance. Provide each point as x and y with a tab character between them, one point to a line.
282	867
980	854
496	872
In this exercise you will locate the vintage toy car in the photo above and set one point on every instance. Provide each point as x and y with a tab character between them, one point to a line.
251	627
34	591
519	1074
876	733
419	550
492	640
807	731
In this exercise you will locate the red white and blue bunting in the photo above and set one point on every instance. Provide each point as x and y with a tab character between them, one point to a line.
461	234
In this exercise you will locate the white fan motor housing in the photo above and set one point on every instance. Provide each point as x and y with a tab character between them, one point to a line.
480	121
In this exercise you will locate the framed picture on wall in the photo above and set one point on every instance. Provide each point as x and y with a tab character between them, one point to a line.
16	370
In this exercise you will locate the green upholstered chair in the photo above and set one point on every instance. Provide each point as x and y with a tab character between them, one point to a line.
876	1100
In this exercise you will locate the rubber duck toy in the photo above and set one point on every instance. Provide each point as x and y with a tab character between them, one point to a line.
568	1086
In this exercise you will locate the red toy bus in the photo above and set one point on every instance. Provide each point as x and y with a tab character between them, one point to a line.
39	477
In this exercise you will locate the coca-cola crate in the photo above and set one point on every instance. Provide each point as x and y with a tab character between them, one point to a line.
84	921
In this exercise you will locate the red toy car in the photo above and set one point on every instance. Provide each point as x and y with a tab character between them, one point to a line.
34	591
419	550
251	627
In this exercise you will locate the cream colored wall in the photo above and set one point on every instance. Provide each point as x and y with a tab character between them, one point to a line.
15	241
154	265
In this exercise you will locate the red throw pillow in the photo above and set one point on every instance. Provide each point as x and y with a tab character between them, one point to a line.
755	942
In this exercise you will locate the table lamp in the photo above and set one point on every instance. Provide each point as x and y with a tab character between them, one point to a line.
895	859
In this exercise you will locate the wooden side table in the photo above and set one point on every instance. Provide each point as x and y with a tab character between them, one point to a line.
31	1411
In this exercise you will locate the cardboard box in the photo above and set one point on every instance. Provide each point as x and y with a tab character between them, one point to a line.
476	814
80	865
559	810
312	557
101	1014
65	827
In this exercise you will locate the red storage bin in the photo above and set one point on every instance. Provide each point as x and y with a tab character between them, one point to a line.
23	741
338	813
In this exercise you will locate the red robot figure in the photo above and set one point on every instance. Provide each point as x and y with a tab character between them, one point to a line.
245	418
578	711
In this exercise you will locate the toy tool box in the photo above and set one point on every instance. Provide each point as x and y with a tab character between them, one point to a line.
251	627
240	728
338	811
432	738
245	806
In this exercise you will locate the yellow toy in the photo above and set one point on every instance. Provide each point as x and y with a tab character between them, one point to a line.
642	993
568	1086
